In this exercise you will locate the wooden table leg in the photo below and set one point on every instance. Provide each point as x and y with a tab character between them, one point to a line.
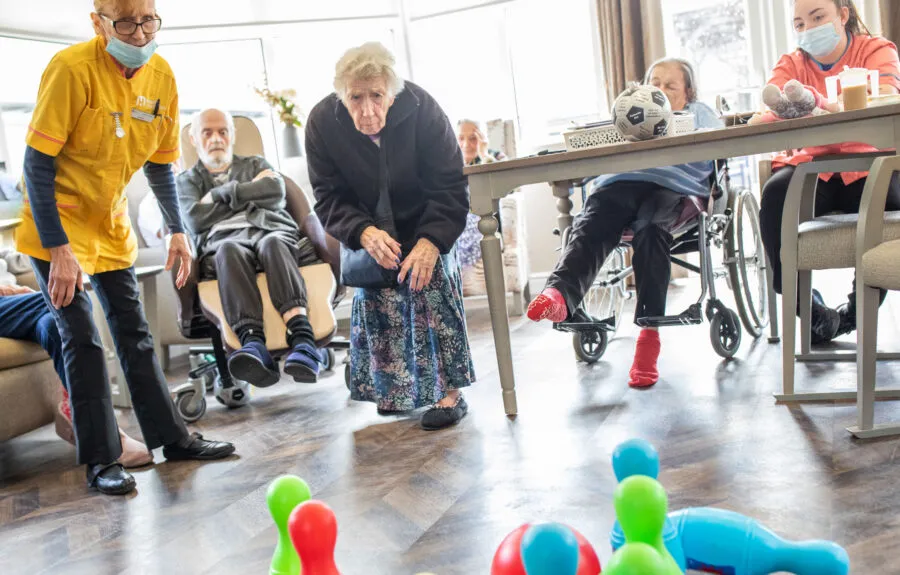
496	288
562	191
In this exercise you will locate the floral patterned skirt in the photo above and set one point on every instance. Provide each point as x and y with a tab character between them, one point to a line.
407	349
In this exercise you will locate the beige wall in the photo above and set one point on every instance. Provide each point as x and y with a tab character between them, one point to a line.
541	216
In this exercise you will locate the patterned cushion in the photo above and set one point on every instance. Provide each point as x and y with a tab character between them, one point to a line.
881	266
829	242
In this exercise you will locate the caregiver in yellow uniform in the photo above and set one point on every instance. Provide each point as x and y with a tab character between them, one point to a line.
106	108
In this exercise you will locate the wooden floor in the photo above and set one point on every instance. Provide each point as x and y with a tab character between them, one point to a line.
409	501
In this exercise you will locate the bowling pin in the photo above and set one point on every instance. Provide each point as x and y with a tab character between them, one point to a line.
635	559
641	505
639	457
728	542
550	549
283	495
313	530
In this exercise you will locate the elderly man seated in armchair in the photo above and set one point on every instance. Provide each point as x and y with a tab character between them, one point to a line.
235	208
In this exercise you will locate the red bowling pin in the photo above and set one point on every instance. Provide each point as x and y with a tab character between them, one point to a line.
313	530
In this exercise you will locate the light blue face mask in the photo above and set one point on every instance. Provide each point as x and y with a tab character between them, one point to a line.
128	55
819	42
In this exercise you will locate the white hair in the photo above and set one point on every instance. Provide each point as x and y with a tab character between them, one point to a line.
479	127
366	62
195	121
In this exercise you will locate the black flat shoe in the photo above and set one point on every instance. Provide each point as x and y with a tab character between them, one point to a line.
110	479
438	417
194	447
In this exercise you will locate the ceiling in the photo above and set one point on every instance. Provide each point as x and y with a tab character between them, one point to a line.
70	18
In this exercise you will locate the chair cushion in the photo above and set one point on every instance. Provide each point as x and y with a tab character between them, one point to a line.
320	287
881	266
829	242
15	353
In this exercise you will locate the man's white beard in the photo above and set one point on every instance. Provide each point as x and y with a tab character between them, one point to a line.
217	164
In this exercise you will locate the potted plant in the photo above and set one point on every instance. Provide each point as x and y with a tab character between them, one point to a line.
282	102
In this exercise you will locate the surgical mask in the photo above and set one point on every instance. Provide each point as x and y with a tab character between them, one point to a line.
819	42
128	55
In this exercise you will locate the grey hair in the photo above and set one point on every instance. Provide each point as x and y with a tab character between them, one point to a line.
368	61
479	127
690	78
195	121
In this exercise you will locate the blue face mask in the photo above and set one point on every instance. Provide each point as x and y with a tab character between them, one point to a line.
819	42
128	55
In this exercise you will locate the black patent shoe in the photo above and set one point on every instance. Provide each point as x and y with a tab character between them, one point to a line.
438	417
194	447
110	479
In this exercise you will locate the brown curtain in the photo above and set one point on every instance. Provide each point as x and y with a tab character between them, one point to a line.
631	38
890	20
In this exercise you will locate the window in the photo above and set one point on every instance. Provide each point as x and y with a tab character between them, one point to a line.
713	35
221	75
510	60
462	59
17	98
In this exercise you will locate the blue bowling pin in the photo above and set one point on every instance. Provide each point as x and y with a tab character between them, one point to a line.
727	542
550	549
639	457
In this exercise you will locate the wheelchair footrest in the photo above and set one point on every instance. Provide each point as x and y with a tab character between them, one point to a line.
691	316
581	322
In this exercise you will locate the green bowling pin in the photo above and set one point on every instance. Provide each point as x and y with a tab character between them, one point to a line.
284	494
641	506
635	559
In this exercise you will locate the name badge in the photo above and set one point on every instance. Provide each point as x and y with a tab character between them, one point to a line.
141	115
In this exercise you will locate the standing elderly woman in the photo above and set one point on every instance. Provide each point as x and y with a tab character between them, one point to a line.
409	347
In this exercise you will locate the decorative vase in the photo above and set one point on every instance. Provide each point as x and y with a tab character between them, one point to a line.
290	140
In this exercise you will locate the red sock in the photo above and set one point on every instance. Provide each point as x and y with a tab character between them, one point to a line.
643	371
549	304
65	406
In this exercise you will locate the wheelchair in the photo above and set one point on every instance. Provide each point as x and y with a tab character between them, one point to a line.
729	221
200	314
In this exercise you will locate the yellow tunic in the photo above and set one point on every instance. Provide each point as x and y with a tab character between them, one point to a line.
82	94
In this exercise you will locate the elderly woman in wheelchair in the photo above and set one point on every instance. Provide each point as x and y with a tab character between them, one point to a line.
644	209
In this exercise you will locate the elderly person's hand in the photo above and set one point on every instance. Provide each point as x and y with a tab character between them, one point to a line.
382	247
65	276
15	290
265	174
419	264
180	251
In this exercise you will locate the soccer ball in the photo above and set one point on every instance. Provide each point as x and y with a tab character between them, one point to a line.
642	113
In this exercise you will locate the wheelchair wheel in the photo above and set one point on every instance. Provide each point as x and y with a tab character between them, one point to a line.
189	409
590	345
347	376
608	301
328	359
747	265
725	333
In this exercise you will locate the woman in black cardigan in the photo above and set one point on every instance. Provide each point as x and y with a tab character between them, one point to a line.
409	347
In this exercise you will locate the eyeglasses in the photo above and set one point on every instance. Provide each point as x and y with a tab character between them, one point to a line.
129	27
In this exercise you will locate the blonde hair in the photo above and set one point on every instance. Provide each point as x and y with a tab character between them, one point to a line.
369	61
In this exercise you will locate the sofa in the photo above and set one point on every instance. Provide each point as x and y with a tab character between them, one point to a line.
28	383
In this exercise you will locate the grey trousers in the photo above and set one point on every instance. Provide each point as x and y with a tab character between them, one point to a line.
236	264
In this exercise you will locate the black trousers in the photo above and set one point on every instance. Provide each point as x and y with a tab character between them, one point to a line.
96	430
831	196
649	210
236	266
